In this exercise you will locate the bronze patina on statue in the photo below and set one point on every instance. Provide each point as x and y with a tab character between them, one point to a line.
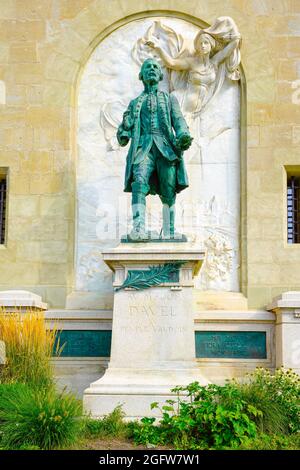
159	136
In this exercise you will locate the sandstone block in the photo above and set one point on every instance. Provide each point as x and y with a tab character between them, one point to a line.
53	273
54	206
24	206
38	162
23	52
33	9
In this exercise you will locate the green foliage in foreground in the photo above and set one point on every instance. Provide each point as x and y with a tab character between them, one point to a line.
277	396
262	411
31	418
272	442
112	425
211	416
29	348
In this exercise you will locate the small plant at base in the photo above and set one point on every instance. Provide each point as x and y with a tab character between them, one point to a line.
112	425
145	432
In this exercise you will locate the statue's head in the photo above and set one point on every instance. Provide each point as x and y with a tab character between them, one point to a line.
204	43
150	72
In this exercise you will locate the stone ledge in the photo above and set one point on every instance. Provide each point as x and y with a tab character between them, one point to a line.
290	300
154	253
242	316
79	319
78	315
21	299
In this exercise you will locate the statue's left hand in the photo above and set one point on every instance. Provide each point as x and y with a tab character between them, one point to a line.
127	121
184	141
123	141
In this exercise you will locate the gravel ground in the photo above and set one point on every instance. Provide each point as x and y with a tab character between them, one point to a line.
114	444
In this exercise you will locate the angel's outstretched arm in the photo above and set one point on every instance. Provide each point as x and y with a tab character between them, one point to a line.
224	53
170	62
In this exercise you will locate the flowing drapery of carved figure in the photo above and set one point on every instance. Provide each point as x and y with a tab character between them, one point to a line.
196	69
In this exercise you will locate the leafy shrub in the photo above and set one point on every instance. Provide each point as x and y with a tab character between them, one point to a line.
261	413
147	432
211	416
111	425
29	348
39	418
277	396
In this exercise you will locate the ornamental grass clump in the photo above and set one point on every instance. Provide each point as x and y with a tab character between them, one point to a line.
33	418
29	348
277	395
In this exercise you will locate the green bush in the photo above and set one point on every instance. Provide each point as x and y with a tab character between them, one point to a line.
211	416
263	412
112	425
277	396
40	418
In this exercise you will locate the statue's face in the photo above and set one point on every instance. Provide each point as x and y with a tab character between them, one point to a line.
203	45
151	72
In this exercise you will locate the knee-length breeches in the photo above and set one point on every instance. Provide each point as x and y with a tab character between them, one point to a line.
166	173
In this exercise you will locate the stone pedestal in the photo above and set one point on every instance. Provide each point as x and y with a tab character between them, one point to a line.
287	309
153	339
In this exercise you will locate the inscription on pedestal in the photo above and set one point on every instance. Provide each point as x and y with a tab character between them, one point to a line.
85	343
153	313
221	344
152	329
231	344
150	312
163	310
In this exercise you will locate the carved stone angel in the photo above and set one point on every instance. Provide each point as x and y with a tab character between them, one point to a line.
205	63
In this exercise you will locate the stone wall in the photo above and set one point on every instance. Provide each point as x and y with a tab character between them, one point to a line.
44	45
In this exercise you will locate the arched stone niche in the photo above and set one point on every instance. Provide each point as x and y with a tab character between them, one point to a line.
208	211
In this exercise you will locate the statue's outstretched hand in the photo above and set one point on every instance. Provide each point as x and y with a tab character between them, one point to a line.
153	43
184	141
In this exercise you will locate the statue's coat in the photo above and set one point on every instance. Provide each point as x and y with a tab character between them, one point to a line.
170	117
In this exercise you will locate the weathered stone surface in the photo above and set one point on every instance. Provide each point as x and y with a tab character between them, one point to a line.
21	299
287	309
160	324
270	49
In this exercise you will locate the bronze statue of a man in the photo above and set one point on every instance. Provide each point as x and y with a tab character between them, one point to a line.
159	135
